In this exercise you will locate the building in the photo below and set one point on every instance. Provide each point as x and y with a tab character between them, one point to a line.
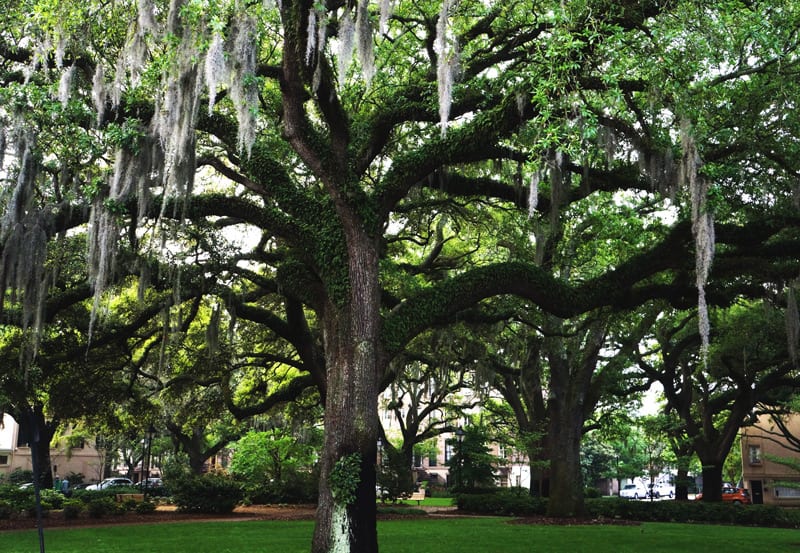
66	456
768	481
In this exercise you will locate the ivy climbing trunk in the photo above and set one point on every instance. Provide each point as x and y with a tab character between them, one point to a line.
346	512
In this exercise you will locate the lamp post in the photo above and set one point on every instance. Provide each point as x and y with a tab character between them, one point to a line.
460	438
148	457
378	470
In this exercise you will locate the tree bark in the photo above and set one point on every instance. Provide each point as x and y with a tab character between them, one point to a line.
351	410
566	481
712	481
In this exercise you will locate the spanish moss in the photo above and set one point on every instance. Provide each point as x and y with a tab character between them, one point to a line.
347	32
364	49
244	91
311	34
147	21
65	85
446	50
386	12
702	228
215	68
99	92
533	193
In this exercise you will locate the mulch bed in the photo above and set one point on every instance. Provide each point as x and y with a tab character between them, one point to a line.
543	520
164	515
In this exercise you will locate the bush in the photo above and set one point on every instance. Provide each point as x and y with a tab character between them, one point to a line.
295	487
210	493
145	507
501	503
20	476
101	506
694	511
72	508
592	493
7	510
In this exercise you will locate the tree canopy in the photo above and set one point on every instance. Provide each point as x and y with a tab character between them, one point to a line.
349	174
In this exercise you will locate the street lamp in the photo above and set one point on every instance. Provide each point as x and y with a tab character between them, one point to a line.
148	457
460	438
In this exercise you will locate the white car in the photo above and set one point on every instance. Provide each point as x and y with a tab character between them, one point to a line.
110	483
633	491
663	490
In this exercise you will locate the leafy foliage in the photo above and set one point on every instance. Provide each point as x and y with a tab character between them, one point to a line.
210	493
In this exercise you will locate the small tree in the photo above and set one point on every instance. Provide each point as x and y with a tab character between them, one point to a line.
472	462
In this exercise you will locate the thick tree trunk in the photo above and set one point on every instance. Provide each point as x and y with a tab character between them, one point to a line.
346	522
712	480
566	481
42	434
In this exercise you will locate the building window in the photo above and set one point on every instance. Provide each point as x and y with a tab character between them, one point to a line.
786	493
3	459
448	453
754	454
432	459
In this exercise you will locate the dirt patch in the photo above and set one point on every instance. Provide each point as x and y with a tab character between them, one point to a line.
554	521
164	514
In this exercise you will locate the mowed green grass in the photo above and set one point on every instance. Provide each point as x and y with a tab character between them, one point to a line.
435	535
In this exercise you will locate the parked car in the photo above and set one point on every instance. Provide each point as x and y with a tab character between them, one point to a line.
633	491
661	489
151	483
737	496
110	483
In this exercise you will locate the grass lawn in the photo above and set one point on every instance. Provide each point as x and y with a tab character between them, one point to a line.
435	535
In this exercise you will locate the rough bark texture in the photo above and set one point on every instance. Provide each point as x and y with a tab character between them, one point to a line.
566	482
351	409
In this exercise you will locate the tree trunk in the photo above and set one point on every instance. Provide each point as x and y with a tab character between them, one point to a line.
712	480
42	434
346	523
566	481
682	485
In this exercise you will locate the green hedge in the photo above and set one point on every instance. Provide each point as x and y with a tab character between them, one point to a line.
209	493
501	503
505	503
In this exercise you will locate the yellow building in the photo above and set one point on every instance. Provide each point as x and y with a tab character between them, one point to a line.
767	479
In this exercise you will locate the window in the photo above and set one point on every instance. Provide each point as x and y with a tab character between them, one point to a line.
3	459
786	493
754	454
448	452
432	459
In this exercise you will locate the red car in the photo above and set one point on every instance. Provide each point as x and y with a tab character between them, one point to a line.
737	496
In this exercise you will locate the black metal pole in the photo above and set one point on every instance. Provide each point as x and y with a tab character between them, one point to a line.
35	462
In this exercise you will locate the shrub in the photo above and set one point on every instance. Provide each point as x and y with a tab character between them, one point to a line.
53	498
20	476
7	510
101	506
130	504
210	493
501	503
694	511
72	508
592	493
145	507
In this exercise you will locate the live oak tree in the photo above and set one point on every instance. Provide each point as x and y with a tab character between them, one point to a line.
748	366
322	127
